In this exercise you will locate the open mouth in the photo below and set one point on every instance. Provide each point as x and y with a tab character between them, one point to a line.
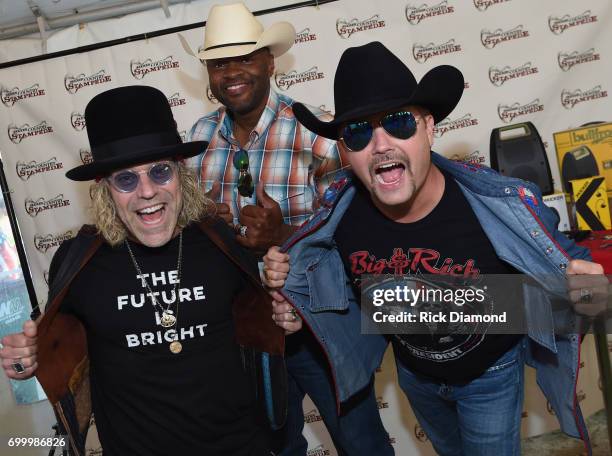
389	173
151	214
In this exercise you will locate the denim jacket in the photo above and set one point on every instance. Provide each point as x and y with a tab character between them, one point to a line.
523	233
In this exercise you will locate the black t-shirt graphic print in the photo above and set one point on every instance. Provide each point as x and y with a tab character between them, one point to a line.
147	400
448	241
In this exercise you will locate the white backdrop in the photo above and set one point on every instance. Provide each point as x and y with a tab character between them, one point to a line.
546	62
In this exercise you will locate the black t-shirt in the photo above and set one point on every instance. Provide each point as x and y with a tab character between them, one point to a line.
449	240
147	400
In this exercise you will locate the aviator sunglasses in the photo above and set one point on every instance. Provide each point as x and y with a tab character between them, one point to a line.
126	181
245	180
357	135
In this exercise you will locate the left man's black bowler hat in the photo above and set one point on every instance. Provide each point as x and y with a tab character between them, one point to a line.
128	126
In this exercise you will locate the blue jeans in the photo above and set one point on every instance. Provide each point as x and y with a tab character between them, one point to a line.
357	431
480	418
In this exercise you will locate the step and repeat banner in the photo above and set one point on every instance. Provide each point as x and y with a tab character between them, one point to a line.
546	62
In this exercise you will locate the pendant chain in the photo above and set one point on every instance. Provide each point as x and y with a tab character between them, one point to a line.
167	318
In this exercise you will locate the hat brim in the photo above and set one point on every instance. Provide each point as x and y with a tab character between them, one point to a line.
278	38
439	91
100	168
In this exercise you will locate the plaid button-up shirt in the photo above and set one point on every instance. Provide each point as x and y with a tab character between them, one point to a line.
292	161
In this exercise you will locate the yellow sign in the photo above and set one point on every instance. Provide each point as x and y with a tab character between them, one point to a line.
592	208
585	152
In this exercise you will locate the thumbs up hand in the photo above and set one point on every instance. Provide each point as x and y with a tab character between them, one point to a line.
223	210
264	223
18	352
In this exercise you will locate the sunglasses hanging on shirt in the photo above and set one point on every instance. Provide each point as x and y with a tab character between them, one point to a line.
245	180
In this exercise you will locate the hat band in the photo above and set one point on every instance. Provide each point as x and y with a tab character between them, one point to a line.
121	147
230	44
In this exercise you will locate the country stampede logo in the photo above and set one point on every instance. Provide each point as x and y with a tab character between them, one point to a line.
35	207
449	124
11	96
419	433
140	69
569	98
347	28
284	81
85	156
318	451
423	52
312	417
483	5
17	134
175	100
491	39
558	25
498	76
27	170
305	36
568	60
77	120
72	83
49	241
507	113
210	96
381	404
415	14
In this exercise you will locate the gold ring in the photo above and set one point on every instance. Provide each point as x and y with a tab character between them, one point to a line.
295	314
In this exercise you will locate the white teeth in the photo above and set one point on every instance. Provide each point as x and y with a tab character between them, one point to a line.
150	210
388	165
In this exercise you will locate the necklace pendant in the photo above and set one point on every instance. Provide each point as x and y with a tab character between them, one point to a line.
176	347
167	320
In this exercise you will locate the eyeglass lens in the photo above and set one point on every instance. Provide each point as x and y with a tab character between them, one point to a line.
126	181
357	135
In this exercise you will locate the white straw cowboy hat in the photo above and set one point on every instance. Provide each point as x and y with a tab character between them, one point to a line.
232	31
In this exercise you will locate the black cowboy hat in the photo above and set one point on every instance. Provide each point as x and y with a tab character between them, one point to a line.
371	79
127	126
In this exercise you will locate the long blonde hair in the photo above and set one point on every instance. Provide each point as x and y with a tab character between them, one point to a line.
195	206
